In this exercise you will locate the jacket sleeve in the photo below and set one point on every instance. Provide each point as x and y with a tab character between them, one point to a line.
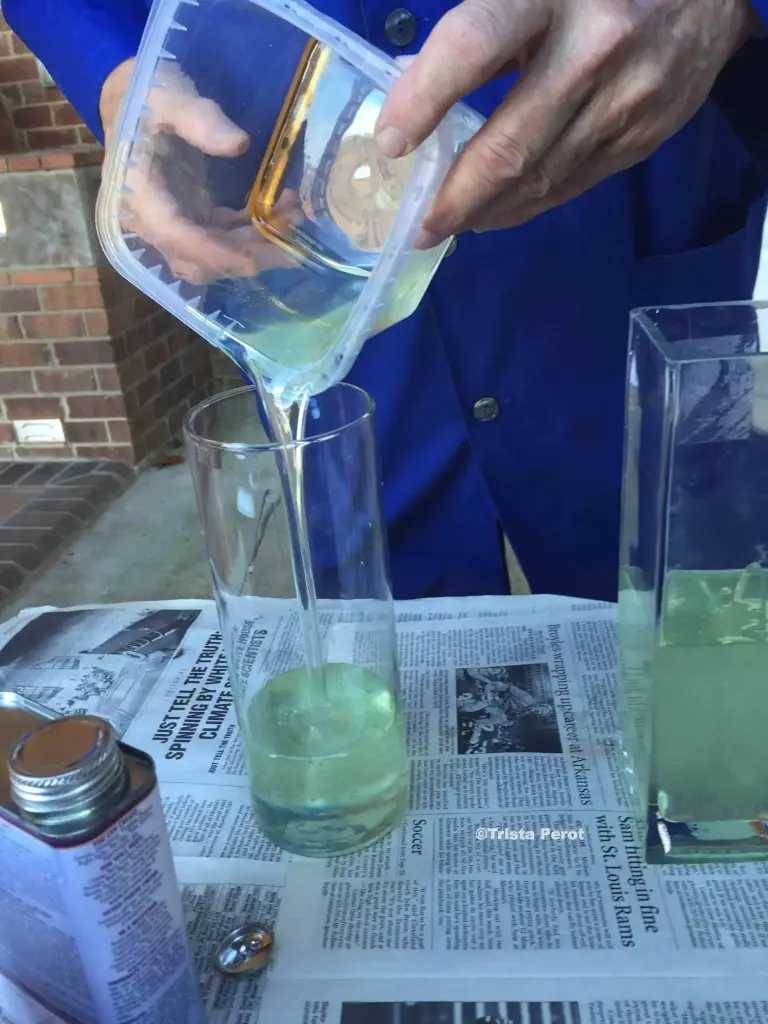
80	42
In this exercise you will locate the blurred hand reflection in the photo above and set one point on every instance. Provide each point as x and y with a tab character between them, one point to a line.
167	202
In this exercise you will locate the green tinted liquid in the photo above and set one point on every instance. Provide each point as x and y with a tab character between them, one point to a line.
694	700
710	685
324	742
326	777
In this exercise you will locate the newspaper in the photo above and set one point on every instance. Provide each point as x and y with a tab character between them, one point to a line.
217	901
167	661
519	841
517	860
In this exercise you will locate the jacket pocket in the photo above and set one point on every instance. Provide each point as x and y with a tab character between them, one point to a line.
723	272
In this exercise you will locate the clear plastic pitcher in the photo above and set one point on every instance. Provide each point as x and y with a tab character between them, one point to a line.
297	244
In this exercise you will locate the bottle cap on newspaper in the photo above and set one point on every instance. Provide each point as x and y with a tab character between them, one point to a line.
245	950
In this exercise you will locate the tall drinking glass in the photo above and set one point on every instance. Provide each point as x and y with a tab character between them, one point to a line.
297	549
693	600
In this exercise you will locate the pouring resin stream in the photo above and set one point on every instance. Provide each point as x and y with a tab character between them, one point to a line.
323	739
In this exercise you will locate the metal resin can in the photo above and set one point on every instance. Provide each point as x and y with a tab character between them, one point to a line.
92	920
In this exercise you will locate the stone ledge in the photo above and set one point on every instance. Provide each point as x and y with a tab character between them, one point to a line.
49	217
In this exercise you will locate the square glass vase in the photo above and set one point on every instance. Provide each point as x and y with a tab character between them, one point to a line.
693	592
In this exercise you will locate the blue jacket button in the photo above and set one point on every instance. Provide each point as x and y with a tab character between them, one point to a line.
486	409
400	27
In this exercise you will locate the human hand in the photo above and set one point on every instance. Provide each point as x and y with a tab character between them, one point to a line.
200	242
602	84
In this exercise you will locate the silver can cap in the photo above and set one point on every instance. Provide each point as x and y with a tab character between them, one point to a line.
64	767
246	950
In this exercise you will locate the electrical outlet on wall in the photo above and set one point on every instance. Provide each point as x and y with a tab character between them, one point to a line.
39	432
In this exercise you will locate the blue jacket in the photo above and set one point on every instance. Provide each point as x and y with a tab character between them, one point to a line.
535	318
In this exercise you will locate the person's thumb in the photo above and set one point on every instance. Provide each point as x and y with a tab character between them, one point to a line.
177	108
467	48
202	124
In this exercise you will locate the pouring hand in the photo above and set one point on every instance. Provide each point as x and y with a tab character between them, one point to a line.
603	83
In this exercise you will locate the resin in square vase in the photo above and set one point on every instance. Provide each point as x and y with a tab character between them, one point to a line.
693	594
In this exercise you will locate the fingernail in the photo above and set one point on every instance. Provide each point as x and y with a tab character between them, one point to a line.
229	135
392	142
428	239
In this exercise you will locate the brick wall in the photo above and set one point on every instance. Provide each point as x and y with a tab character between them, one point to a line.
33	115
77	342
82	346
225	374
8	140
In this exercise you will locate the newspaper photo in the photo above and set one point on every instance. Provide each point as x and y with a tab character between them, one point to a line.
561	1001
511	714
100	660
